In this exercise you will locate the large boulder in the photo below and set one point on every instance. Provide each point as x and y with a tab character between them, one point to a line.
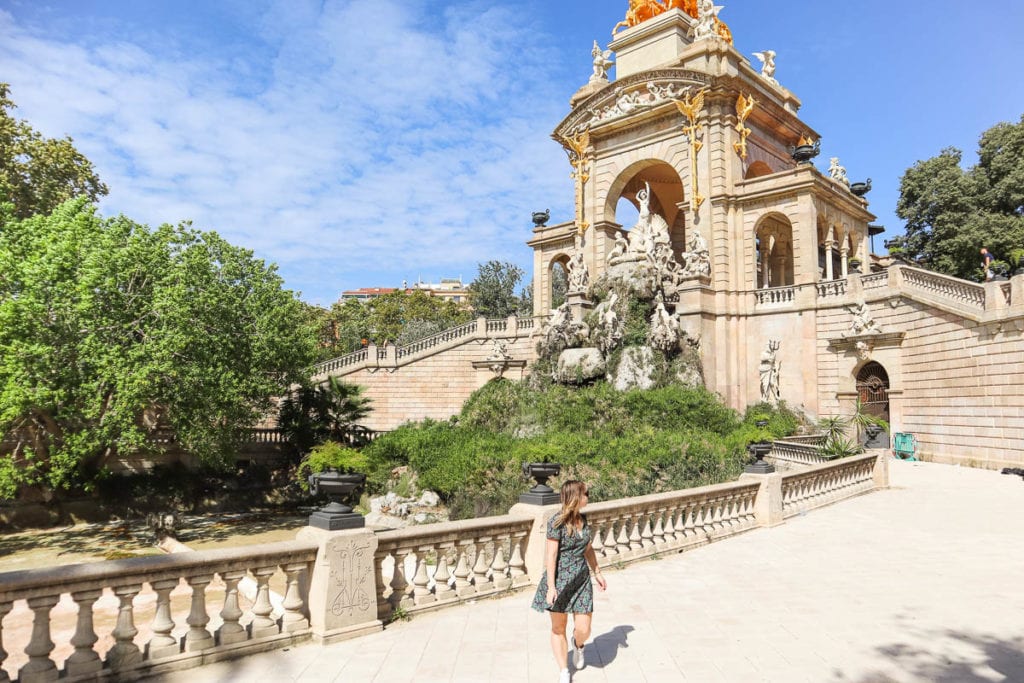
637	369
578	366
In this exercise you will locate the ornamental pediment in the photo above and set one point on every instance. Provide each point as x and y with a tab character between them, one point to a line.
630	96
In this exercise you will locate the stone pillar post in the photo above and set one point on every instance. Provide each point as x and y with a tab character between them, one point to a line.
512	329
343	586
481	327
371	355
844	256
390	354
994	299
534	557
881	472
768	503
829	270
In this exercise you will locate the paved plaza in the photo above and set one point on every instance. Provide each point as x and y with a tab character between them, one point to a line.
920	582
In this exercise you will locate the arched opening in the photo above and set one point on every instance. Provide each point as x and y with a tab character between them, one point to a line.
558	276
623	208
873	394
758	169
774	251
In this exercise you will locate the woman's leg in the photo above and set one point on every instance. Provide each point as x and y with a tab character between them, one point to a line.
581	627
558	644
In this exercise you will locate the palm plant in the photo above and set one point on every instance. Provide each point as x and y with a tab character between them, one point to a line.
311	415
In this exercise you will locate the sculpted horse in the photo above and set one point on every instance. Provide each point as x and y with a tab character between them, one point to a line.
640	11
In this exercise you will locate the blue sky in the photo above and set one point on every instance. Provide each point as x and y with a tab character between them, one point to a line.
365	142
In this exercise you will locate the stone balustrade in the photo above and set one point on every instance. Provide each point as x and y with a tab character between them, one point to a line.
875	280
830	482
176	638
775	295
786	451
347	583
636	528
968	293
831	288
329	366
434	565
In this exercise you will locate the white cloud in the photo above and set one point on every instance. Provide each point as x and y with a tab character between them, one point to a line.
374	138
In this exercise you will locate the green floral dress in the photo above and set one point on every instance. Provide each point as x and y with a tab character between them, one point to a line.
570	563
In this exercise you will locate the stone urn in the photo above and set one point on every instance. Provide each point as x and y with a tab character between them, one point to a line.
541	494
802	154
876	437
855	265
540	218
861	189
337	486
759	449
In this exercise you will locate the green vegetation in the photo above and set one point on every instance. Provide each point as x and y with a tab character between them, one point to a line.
492	293
398	317
311	415
330	455
951	213
620	443
37	173
112	333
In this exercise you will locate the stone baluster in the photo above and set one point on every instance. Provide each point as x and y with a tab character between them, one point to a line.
516	565
462	585
163	644
5	608
718	505
499	567
125	654
294	618
39	667
659	529
669	528
596	542
421	580
262	624
610	544
380	585
198	637
480	580
399	584
231	631
635	539
622	542
442	575
647	535
84	660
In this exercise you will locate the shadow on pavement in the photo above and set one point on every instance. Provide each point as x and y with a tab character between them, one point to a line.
978	659
608	644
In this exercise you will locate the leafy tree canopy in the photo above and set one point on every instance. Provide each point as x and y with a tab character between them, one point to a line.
38	173
110	331
492	293
951	212
399	317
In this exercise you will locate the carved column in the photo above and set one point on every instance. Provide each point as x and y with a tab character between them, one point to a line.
84	660
163	644
125	654
198	638
231	631
39	667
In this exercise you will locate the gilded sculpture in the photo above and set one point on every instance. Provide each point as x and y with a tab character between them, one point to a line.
641	10
576	147
691	107
744	106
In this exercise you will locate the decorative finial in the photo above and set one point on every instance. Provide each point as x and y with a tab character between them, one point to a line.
602	62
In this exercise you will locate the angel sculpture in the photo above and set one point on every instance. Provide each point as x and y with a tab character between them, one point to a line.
707	20
837	172
767	65
602	62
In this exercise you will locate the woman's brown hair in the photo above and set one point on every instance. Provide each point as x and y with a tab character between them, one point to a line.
572	499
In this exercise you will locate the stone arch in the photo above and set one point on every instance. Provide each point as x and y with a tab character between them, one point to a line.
758	169
872	386
559	261
666	195
773	245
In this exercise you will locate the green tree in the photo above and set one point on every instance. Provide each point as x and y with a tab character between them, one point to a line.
38	173
492	293
110	331
951	213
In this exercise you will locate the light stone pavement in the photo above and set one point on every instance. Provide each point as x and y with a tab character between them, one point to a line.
920	582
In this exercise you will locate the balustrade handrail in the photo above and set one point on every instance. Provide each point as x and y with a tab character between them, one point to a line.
967	292
875	280
653	500
443	532
851	461
28	583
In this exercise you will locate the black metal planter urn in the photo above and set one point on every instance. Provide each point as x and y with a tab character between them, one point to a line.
802	154
541	494
337	486
759	449
860	189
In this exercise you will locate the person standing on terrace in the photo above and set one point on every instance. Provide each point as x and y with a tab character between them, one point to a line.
570	560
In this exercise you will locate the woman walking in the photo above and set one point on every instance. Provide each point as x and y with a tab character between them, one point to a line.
569	560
